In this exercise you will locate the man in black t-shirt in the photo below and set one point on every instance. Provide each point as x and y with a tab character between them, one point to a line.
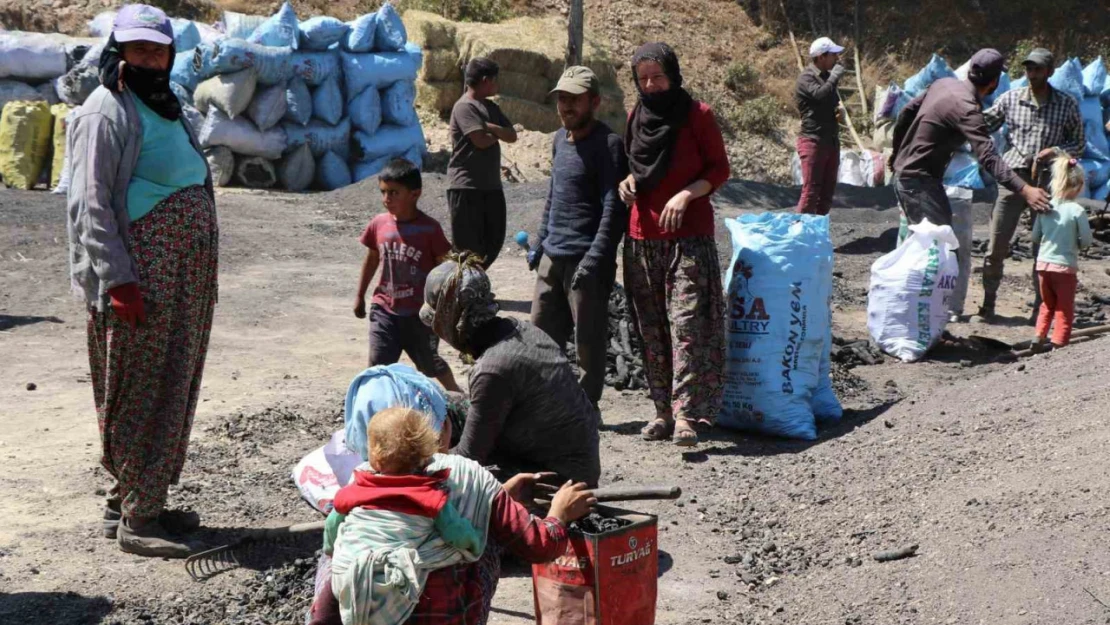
474	193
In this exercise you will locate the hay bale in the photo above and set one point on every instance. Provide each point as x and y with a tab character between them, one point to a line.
525	86
439	97
429	31
441	65
531	115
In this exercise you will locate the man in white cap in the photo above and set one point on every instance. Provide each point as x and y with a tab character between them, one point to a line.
819	140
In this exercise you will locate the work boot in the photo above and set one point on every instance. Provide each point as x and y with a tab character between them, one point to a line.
175	521
151	540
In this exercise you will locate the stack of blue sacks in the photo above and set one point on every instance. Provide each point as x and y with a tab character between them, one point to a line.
1090	86
344	89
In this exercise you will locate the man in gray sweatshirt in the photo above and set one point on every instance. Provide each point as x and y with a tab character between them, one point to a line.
583	222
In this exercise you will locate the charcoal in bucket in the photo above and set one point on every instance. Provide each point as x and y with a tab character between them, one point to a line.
604	578
597	523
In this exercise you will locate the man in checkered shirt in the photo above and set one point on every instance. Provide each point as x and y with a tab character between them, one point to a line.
1039	119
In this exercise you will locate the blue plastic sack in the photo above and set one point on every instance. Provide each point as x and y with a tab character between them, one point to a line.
390	140
1090	109
934	70
415	155
1094	77
241	25
377	69
186	37
1096	171
320	137
1101	193
1069	79
362	170
779	285
322	32
273	64
183	94
298	102
362	34
892	104
378	388
391	35
1003	86
332	172
963	171
366	110
327	102
315	67
184	71
279	30
398	103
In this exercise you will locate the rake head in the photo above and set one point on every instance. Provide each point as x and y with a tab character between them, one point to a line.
207	564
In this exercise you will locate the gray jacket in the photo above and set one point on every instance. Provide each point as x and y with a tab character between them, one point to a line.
103	142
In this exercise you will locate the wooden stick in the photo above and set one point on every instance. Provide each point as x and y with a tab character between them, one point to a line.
859	80
790	31
851	127
1022	348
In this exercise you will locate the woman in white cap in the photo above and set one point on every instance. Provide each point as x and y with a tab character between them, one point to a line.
143	256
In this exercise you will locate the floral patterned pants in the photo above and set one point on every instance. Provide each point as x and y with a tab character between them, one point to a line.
146	380
678	304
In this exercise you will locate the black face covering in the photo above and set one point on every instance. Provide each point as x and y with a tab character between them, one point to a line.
150	85
656	120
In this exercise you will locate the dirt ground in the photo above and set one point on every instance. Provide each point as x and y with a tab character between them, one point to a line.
996	470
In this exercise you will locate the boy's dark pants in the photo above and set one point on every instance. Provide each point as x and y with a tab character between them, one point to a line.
390	334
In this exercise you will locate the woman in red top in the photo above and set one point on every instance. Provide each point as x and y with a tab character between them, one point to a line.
677	159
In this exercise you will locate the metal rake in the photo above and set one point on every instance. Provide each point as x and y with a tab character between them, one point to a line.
207	564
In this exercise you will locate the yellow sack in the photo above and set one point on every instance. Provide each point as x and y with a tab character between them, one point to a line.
59	111
24	142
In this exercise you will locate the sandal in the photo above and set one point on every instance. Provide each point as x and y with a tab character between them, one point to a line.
177	522
657	430
687	437
701	426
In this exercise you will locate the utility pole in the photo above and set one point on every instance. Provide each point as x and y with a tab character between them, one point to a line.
574	33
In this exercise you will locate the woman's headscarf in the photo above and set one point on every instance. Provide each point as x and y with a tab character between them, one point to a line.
656	120
150	85
458	300
378	388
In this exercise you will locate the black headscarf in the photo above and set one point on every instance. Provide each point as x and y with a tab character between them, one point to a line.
656	120
150	85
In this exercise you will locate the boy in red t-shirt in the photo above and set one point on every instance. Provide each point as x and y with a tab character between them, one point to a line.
407	244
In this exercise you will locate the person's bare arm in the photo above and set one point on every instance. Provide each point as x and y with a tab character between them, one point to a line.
482	139
369	268
504	133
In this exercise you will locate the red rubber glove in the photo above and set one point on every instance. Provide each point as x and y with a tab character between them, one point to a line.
127	302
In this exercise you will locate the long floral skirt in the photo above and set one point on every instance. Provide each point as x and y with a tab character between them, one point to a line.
146	380
678	304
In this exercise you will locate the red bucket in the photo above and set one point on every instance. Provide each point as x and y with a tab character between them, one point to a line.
602	579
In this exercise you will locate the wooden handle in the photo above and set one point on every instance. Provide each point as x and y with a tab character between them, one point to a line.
636	493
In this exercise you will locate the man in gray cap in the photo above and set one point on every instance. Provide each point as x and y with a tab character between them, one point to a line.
934	125
1040	121
575	253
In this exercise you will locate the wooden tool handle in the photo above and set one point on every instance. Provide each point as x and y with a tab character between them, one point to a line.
636	493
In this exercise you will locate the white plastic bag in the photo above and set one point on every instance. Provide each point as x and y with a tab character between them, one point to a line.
907	305
31	56
321	473
241	135
231	93
255	172
101	25
222	164
268	106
